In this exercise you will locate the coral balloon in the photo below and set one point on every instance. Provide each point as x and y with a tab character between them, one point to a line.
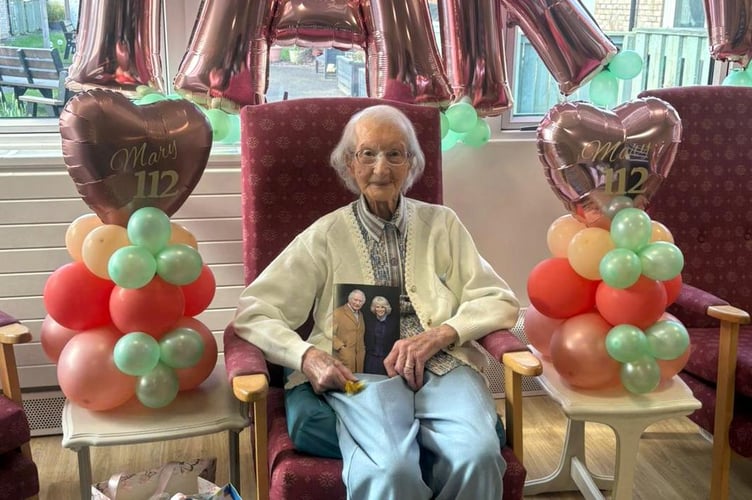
586	250
100	244
670	367
87	373
641	304
151	309
53	336
76	298
557	291
578	352
560	234
539	328
77	231
199	294
193	376
673	288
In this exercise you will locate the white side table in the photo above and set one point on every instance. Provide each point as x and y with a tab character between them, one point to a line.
626	413
209	408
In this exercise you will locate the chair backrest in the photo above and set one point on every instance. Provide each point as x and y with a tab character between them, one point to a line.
287	180
705	199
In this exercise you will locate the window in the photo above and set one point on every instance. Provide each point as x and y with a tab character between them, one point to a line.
657	29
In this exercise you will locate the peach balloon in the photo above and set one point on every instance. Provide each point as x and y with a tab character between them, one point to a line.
560	234
193	376
586	250
181	235
87	373
77	232
578	352
100	244
53	336
659	232
539	328
670	367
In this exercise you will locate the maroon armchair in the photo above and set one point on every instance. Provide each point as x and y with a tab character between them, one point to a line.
287	184
19	477
705	203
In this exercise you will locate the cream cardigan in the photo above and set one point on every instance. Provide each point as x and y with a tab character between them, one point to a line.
447	280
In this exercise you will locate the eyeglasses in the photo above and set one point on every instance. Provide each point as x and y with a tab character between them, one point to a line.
369	157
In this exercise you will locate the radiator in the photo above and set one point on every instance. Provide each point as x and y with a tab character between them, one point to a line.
44	410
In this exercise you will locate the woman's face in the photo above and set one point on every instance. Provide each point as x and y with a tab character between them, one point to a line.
380	183
379	310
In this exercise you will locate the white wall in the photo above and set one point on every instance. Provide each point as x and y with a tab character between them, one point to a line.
499	191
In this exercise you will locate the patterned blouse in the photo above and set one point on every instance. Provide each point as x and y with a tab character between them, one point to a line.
386	244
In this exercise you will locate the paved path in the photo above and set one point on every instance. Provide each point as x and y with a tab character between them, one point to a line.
299	80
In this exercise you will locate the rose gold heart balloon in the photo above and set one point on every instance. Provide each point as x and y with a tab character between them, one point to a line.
591	155
123	157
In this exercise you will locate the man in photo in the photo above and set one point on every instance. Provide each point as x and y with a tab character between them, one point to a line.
348	332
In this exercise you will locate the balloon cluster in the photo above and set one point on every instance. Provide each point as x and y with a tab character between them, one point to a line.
225	126
120	317
739	77
598	305
604	87
460	123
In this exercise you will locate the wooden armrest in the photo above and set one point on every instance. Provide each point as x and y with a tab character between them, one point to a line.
523	362
250	388
14	333
729	313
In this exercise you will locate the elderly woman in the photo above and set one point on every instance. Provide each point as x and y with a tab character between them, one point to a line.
427	428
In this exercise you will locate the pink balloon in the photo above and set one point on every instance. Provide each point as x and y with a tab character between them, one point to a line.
118	46
566	37
474	53
728	30
193	376
578	352
53	336
87	373
670	367
539	328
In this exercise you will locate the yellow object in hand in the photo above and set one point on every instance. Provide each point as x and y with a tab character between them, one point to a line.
354	387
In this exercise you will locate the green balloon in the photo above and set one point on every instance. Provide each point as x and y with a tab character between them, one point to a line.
233	131
478	135
462	116
737	77
151	98
626	65
150	228
661	261
219	121
604	89
617	203
159	387
181	348
626	343
631	228
179	264
641	376
131	267
620	268
143	90
667	339
444	122
450	140
136	353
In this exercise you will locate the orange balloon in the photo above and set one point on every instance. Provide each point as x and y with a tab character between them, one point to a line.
193	376
640	305
180	234
586	250
560	233
53	336
77	232
87	373
100	244
578	352
659	232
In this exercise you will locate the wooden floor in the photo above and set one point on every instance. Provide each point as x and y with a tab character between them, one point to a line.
673	463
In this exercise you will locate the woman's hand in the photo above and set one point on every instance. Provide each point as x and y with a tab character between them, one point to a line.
409	356
324	371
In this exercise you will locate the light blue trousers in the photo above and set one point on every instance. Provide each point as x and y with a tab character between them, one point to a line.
439	442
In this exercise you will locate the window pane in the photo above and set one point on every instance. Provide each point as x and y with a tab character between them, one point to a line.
673	46
47	29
